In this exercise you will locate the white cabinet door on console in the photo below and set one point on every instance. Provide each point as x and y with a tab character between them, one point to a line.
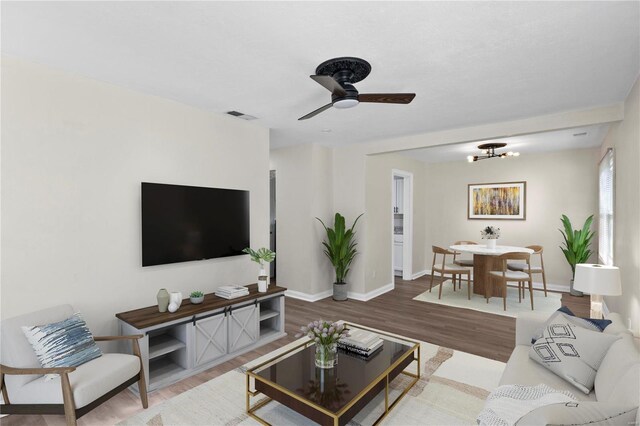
210	339
243	327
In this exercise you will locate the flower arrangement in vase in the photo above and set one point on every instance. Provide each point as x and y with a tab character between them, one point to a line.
491	234
326	335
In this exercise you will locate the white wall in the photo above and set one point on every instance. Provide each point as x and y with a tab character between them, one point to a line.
562	182
624	138
303	192
74	152
380	215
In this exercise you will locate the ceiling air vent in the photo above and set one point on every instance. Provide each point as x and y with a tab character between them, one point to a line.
241	115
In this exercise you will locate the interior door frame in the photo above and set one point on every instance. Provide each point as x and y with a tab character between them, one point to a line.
407	229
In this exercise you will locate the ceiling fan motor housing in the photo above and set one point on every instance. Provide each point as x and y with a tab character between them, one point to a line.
352	95
345	71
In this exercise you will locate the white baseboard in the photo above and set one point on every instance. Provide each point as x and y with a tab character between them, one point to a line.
553	287
363	297
308	297
420	274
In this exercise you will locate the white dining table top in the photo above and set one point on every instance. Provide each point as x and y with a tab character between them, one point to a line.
483	249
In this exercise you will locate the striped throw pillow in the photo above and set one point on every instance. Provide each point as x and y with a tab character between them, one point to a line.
67	343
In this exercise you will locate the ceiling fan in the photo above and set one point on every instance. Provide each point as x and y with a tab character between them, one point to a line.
338	76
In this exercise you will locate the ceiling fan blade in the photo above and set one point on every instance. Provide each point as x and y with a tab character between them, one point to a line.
316	112
387	98
330	84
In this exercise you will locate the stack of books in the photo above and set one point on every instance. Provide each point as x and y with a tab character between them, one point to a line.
361	342
231	292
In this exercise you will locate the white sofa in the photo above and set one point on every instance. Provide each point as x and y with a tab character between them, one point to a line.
616	395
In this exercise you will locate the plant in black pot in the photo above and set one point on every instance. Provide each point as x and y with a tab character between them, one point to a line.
340	248
577	244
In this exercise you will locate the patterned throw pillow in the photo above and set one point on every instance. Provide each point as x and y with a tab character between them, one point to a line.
588	323
67	343
571	352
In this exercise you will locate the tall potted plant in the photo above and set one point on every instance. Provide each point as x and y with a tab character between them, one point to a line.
340	248
576	247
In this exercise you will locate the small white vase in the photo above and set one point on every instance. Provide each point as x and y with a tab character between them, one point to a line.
263	274
262	285
176	298
491	244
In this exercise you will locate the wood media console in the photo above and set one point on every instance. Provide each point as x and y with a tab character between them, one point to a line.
197	337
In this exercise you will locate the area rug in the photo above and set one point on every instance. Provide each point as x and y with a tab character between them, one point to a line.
458	299
451	391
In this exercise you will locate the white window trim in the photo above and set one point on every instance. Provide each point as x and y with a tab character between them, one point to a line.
606	240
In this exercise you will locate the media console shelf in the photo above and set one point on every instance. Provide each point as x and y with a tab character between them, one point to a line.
197	337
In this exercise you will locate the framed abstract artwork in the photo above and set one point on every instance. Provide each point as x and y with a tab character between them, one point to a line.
497	201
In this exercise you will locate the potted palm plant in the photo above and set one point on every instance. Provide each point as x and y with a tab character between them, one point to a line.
340	248
576	247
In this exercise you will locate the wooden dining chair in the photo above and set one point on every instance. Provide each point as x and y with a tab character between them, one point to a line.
452	269
463	261
506	275
521	266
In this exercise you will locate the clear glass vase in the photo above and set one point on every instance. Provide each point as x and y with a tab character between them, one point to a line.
326	355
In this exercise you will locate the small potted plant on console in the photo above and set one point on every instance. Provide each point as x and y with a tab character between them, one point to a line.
196	297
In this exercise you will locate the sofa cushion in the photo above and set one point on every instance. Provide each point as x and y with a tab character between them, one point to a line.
16	351
66	343
627	387
572	352
88	382
618	362
617	326
522	370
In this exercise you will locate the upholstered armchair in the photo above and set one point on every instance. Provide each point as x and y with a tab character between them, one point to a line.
77	390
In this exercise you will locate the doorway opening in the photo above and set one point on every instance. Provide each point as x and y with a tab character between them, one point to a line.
402	225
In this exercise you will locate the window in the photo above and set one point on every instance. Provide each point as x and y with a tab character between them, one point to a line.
605	223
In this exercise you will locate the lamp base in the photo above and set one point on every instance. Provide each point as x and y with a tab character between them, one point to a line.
596	306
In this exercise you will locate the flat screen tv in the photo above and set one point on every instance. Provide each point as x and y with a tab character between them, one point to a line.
184	223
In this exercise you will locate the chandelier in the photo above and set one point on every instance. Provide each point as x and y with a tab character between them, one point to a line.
489	151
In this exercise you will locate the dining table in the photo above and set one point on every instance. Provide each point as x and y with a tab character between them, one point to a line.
485	260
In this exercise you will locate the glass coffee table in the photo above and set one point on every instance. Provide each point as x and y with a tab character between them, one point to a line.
332	396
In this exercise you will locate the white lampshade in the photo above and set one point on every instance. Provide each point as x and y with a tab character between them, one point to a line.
598	279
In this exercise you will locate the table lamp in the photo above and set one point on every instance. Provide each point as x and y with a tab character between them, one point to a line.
597	280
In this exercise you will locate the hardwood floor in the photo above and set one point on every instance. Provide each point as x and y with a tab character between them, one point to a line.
483	334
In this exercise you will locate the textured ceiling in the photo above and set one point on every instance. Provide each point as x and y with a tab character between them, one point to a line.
469	63
526	144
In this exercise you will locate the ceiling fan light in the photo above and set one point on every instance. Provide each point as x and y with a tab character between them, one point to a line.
516	154
510	153
345	103
470	159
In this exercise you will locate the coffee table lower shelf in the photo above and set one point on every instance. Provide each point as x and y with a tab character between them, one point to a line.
323	416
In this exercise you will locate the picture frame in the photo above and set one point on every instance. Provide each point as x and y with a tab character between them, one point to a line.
497	201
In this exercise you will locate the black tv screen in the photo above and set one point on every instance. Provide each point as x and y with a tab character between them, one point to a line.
183	223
